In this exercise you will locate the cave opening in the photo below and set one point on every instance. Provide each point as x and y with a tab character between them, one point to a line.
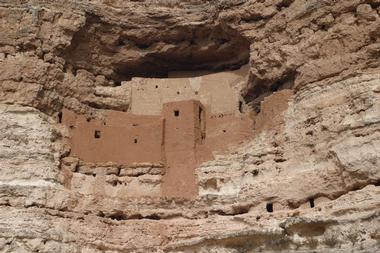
200	48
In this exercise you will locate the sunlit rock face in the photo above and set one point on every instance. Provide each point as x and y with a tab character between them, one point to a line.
280	153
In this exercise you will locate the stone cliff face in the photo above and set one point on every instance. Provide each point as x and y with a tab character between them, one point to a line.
307	180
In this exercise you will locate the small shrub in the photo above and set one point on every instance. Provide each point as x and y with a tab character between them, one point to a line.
331	239
312	242
279	243
353	236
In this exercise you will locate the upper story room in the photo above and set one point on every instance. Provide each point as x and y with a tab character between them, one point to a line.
218	92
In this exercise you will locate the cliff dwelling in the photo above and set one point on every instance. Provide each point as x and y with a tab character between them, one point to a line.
169	126
176	123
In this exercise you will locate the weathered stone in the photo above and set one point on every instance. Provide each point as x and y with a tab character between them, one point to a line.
306	179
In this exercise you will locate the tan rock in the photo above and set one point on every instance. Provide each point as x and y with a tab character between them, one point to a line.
306	179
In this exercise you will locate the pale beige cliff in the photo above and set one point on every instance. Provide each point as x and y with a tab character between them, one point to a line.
312	90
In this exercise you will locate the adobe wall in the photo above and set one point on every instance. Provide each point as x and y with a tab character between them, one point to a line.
121	138
192	136
272	108
186	135
183	131
215	91
223	132
117	181
112	180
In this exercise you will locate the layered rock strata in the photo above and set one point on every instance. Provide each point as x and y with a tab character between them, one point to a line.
307	180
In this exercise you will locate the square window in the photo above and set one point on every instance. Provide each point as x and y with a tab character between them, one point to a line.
97	134
176	113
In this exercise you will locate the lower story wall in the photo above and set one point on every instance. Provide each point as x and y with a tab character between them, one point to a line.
125	141
111	180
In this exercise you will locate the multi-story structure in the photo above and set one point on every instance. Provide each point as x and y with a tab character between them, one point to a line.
167	124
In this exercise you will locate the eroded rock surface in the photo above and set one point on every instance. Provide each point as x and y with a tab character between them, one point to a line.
307	179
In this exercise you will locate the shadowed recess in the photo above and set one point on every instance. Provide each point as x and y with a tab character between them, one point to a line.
116	52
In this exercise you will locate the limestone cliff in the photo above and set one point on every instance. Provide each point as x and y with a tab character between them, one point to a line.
306	180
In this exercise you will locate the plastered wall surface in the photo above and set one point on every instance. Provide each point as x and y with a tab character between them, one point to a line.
182	135
272	108
121	138
224	131
215	91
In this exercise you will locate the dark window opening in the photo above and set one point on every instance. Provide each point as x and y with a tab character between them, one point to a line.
135	141
117	83
201	123
59	117
311	202
156	86
97	134
196	93
270	207
74	71
178	92
324	27
88	119
240	106
176	113
120	42
224	131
